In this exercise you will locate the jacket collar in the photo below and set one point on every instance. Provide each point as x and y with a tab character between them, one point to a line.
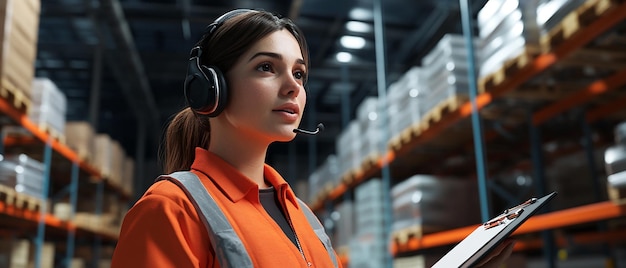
232	183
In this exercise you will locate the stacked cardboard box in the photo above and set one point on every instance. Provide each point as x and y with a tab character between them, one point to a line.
109	158
19	24
80	137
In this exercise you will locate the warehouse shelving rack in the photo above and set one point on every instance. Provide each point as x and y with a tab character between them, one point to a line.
26	214
577	30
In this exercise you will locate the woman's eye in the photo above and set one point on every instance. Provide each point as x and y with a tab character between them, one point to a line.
265	67
299	75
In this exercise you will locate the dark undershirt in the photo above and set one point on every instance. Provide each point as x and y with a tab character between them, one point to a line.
269	200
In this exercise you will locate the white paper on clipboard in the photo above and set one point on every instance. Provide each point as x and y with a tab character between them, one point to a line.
490	234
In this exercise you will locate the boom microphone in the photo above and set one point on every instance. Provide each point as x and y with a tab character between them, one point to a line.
319	128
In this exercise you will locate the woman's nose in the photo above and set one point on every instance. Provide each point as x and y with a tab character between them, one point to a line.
291	86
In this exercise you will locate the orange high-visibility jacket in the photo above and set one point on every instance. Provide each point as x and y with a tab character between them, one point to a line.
163	229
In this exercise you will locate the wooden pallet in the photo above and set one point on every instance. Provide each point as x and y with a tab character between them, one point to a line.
508	69
14	96
10	197
405	136
440	111
618	196
402	236
7	195
370	161
52	132
584	15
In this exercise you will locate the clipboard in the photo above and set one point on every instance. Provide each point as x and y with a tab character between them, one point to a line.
490	234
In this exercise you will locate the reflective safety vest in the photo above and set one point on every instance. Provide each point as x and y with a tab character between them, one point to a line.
229	249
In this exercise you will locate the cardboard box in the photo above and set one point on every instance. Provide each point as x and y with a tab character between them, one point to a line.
80	137
19	25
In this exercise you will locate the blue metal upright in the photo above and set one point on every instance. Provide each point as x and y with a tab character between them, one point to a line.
345	112
97	239
477	130
43	210
549	247
381	82
71	234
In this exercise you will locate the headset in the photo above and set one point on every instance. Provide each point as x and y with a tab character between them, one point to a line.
205	87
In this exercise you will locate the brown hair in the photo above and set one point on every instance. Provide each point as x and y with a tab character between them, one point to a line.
188	130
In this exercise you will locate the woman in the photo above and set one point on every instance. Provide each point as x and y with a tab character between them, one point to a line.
253	66
264	62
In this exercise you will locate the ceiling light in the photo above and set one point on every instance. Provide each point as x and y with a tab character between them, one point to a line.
359	27
361	14
343	57
354	42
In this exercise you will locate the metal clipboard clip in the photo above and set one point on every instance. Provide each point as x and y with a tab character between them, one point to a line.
509	214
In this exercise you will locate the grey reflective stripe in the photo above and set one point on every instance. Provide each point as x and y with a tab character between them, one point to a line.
229	249
319	231
227	244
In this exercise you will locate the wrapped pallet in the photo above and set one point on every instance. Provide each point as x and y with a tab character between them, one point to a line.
348	148
49	106
615	165
422	202
444	72
324	178
371	125
19	21
368	248
24	174
403	101
507	28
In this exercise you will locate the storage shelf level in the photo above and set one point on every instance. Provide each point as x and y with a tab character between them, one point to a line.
567	217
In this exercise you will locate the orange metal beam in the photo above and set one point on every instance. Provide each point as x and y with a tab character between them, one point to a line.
583	214
606	109
33	216
61	148
596	88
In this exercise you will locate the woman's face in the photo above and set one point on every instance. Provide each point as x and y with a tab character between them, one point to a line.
266	87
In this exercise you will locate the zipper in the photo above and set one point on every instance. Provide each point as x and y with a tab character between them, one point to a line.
309	264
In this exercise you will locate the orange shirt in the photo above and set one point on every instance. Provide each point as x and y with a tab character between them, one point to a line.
163	228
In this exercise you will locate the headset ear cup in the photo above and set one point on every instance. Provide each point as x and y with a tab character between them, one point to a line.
218	89
196	88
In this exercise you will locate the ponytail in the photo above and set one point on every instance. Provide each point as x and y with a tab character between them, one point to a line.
183	134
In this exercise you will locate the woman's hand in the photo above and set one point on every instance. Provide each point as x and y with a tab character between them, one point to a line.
499	255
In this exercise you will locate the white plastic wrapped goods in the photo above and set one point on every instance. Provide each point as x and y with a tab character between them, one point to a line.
403	101
430	201
22	173
615	163
617	180
551	12
49	104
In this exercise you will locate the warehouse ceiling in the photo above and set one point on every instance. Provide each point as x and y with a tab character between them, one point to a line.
134	52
